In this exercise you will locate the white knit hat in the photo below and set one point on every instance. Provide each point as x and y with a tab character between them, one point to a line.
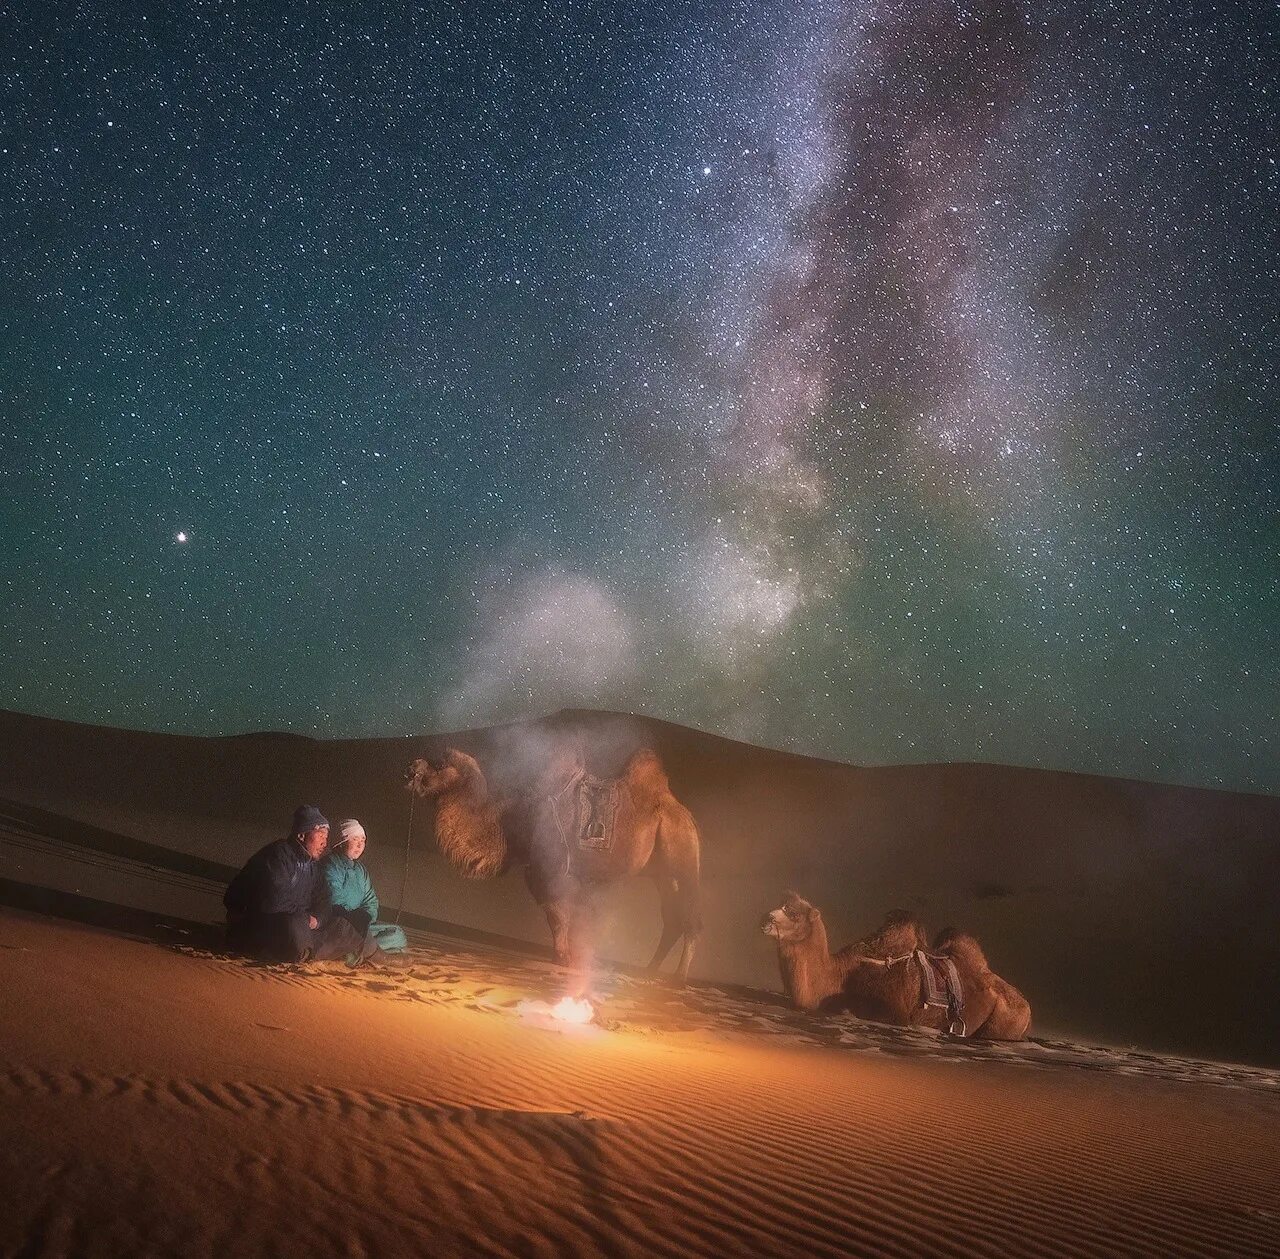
350	828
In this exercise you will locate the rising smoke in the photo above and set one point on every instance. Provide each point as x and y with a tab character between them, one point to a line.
544	642
866	298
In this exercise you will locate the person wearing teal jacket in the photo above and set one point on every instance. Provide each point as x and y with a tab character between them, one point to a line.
351	889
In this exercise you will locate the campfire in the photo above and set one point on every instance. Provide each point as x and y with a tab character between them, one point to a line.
573	1010
567	1012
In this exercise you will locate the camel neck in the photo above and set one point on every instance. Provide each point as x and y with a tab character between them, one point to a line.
808	972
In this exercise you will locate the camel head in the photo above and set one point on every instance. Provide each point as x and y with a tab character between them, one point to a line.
468	828
433	777
792	922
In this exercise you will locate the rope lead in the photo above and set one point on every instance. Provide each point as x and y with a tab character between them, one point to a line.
408	843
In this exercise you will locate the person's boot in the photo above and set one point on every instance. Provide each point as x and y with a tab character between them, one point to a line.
387	961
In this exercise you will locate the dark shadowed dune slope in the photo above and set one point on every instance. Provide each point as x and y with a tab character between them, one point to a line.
1129	912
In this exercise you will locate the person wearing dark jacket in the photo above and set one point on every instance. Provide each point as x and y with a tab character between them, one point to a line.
277	906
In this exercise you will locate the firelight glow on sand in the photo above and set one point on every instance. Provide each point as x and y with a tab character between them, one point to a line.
566	1013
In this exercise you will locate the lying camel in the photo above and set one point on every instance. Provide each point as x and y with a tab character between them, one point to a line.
881	977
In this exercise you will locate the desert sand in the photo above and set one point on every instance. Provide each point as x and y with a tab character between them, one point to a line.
160	1098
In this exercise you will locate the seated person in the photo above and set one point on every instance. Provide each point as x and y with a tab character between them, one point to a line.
351	890
277	910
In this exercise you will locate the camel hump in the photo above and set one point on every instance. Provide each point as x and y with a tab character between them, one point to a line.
961	947
906	927
644	773
900	932
465	764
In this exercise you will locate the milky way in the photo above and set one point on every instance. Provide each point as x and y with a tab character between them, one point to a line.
891	382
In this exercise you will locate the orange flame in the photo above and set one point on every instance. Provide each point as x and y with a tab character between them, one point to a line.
573	1010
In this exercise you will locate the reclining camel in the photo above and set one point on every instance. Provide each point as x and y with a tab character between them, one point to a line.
886	976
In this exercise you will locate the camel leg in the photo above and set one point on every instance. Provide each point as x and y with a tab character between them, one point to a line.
1010	1019
555	898
686	959
558	919
690	930
682	857
671	930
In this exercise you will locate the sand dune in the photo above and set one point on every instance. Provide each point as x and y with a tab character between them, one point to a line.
1131	913
172	1101
159	1098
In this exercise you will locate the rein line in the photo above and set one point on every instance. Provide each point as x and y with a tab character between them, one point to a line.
887	962
904	957
554	801
408	843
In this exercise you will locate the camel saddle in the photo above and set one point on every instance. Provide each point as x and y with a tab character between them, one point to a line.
942	988
586	810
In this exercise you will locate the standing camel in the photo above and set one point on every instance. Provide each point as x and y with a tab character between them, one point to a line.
882	977
573	835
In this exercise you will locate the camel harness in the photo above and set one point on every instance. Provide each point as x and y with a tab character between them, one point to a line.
942	987
586	814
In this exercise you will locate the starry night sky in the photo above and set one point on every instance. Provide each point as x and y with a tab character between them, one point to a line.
886	381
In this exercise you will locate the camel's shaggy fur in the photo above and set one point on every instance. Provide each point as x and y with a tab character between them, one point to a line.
654	834
468	822
857	978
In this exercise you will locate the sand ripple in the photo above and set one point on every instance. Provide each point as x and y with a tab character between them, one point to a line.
413	1113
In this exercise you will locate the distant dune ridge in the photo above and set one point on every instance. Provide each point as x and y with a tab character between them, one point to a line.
1128	912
